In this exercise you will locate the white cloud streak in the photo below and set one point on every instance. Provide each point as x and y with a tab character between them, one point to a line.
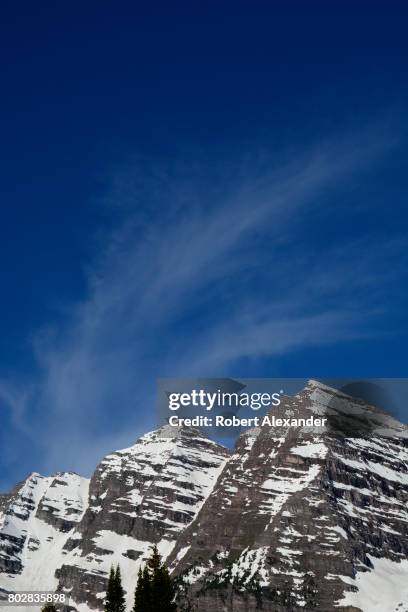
192	287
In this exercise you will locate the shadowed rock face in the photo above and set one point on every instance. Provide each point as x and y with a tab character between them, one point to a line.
293	519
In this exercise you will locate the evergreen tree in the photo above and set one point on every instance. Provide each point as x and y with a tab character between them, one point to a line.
110	592
161	585
119	593
154	590
143	592
154	563
139	595
163	591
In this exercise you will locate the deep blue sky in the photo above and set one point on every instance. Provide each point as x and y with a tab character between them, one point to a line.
193	188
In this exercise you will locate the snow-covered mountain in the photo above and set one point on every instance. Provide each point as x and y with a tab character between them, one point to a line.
305	518
66	531
292	519
35	519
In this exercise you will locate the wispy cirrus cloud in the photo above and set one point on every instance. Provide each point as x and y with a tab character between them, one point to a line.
198	276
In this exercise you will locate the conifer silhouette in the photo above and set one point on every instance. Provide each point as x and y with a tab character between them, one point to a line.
154	590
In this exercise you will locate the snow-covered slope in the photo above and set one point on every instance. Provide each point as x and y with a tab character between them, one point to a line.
36	520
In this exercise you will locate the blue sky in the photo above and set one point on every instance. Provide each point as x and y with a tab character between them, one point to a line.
193	189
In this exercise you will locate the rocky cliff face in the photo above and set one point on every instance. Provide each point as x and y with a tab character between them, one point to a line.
148	493
301	518
294	519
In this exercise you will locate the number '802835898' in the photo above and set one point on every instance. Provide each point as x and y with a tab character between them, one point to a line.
27	598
